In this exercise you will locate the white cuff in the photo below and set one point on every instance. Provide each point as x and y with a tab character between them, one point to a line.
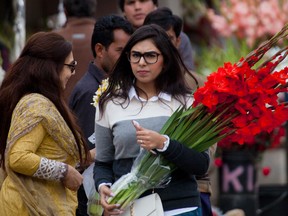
51	169
166	144
107	184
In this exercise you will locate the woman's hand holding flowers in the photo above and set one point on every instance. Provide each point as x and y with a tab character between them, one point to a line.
148	139
109	209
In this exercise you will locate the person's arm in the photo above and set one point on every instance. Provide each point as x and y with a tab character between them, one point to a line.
187	159
23	159
103	169
103	174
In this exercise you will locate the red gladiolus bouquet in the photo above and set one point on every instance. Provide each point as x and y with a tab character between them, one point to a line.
236	103
248	96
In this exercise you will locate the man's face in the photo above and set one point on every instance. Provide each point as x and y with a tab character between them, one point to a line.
112	53
135	11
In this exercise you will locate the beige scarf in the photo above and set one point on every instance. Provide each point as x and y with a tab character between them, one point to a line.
29	112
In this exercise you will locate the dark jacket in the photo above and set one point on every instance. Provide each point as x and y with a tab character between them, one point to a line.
81	99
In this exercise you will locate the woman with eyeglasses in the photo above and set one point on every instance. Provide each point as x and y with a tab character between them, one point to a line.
40	143
146	86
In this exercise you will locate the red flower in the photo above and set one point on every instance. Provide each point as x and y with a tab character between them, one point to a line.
266	170
218	162
244	101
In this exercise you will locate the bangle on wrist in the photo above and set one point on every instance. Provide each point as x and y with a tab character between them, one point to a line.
63	170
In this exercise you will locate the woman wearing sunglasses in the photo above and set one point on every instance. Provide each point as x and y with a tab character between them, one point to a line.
40	143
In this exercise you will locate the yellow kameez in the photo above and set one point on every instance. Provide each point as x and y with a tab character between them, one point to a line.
49	137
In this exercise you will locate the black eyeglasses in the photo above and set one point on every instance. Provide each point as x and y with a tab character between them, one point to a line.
72	66
149	57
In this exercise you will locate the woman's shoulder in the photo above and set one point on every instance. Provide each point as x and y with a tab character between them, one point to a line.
32	107
34	100
35	97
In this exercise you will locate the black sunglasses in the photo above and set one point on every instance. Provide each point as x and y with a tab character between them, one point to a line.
72	66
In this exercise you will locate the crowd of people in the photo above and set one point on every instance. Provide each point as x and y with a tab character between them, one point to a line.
50	133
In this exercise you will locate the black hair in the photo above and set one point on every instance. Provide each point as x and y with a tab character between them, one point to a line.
80	8
166	19
121	4
103	30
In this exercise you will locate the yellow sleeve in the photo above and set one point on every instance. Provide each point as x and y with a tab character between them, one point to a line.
22	157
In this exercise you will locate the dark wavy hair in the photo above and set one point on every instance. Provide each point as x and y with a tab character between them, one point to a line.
121	4
37	70
170	80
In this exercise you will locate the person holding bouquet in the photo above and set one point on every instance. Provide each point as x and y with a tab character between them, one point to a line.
145	87
173	24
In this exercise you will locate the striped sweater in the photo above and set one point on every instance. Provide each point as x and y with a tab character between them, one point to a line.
116	147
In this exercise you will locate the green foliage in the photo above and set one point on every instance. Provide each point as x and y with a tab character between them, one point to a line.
210	58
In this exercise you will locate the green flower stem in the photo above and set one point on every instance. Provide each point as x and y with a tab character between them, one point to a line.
261	50
151	170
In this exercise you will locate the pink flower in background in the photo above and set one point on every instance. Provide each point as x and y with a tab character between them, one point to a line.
221	24
250	20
